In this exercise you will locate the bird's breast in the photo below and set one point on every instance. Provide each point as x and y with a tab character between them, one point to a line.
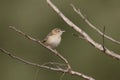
54	40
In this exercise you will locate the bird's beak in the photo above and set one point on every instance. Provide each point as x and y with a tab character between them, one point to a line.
63	31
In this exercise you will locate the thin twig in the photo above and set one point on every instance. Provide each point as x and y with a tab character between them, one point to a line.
103	37
92	26
25	61
72	72
39	42
61	77
36	74
54	63
83	33
77	35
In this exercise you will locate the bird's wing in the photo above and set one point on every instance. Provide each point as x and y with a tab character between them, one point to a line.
46	38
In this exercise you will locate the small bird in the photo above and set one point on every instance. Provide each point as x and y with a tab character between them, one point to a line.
53	39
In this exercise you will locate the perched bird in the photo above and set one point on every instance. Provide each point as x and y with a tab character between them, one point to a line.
53	39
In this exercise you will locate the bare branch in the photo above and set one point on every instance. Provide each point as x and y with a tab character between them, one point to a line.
25	61
39	42
83	33
72	72
55	64
68	70
92	26
103	38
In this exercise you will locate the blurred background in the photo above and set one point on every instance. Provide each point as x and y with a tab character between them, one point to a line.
36	18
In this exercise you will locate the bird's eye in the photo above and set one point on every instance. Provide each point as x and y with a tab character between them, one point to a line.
58	30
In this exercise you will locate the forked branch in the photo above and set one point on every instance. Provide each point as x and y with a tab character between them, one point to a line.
39	42
68	70
72	72
92	26
100	47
